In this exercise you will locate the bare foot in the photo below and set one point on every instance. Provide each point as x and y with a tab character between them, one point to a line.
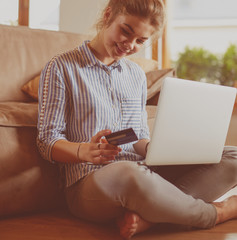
131	223
226	210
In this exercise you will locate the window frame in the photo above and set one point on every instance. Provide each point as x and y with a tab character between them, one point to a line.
162	48
23	13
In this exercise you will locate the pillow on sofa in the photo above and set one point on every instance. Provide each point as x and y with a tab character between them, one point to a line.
17	114
31	87
154	78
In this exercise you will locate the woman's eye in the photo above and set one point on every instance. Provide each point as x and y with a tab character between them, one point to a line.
139	41
125	31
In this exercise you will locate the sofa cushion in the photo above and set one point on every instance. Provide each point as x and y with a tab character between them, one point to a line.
146	64
17	114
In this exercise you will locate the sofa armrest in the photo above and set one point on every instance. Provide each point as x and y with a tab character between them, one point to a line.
27	182
154	82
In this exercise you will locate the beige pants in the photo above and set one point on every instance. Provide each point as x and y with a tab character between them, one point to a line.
171	194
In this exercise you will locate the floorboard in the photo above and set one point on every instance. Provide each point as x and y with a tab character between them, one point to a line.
54	226
62	226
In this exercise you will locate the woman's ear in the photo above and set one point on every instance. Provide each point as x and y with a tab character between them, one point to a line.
107	15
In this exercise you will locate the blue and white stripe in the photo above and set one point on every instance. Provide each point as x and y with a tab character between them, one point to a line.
79	96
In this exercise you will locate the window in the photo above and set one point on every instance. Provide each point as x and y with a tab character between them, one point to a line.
211	24
44	14
9	12
41	14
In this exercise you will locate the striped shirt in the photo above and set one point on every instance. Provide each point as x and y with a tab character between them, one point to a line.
80	96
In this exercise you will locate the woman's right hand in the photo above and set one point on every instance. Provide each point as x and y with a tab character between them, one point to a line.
98	150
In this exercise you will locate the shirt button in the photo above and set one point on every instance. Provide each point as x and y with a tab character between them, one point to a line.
111	89
113	106
115	124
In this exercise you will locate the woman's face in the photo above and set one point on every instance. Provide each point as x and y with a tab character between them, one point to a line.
125	36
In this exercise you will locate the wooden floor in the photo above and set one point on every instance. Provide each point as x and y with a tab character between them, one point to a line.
61	225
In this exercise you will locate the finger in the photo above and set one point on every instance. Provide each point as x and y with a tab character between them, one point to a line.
110	152
99	135
98	145
103	159
96	160
119	149
103	140
104	152
109	147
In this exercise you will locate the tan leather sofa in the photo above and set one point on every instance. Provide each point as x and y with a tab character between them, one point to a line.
27	182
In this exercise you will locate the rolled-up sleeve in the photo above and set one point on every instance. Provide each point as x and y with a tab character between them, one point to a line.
52	109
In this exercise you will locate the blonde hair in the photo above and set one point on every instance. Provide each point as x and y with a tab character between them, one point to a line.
154	10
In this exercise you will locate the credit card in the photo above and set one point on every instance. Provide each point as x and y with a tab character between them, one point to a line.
122	137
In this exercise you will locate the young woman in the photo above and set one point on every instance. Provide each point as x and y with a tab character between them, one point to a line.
91	91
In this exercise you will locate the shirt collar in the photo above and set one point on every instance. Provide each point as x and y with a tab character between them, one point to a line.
91	60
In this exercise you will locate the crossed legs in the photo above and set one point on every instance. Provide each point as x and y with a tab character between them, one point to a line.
139	197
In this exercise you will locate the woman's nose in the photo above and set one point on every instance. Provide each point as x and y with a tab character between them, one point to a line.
129	45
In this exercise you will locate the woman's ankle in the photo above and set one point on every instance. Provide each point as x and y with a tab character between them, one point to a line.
226	210
131	223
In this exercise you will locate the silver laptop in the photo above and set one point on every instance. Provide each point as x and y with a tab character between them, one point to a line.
191	123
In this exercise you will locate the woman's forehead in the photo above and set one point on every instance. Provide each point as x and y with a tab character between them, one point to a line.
137	25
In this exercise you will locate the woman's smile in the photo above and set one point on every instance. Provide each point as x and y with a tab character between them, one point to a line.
121	50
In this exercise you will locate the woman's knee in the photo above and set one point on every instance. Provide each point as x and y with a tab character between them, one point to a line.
120	179
229	165
126	174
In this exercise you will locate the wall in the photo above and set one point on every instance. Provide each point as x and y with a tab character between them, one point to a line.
79	16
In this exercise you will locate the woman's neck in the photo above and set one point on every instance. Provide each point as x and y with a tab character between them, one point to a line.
97	47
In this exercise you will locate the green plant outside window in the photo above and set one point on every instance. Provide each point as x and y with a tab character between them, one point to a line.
201	65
